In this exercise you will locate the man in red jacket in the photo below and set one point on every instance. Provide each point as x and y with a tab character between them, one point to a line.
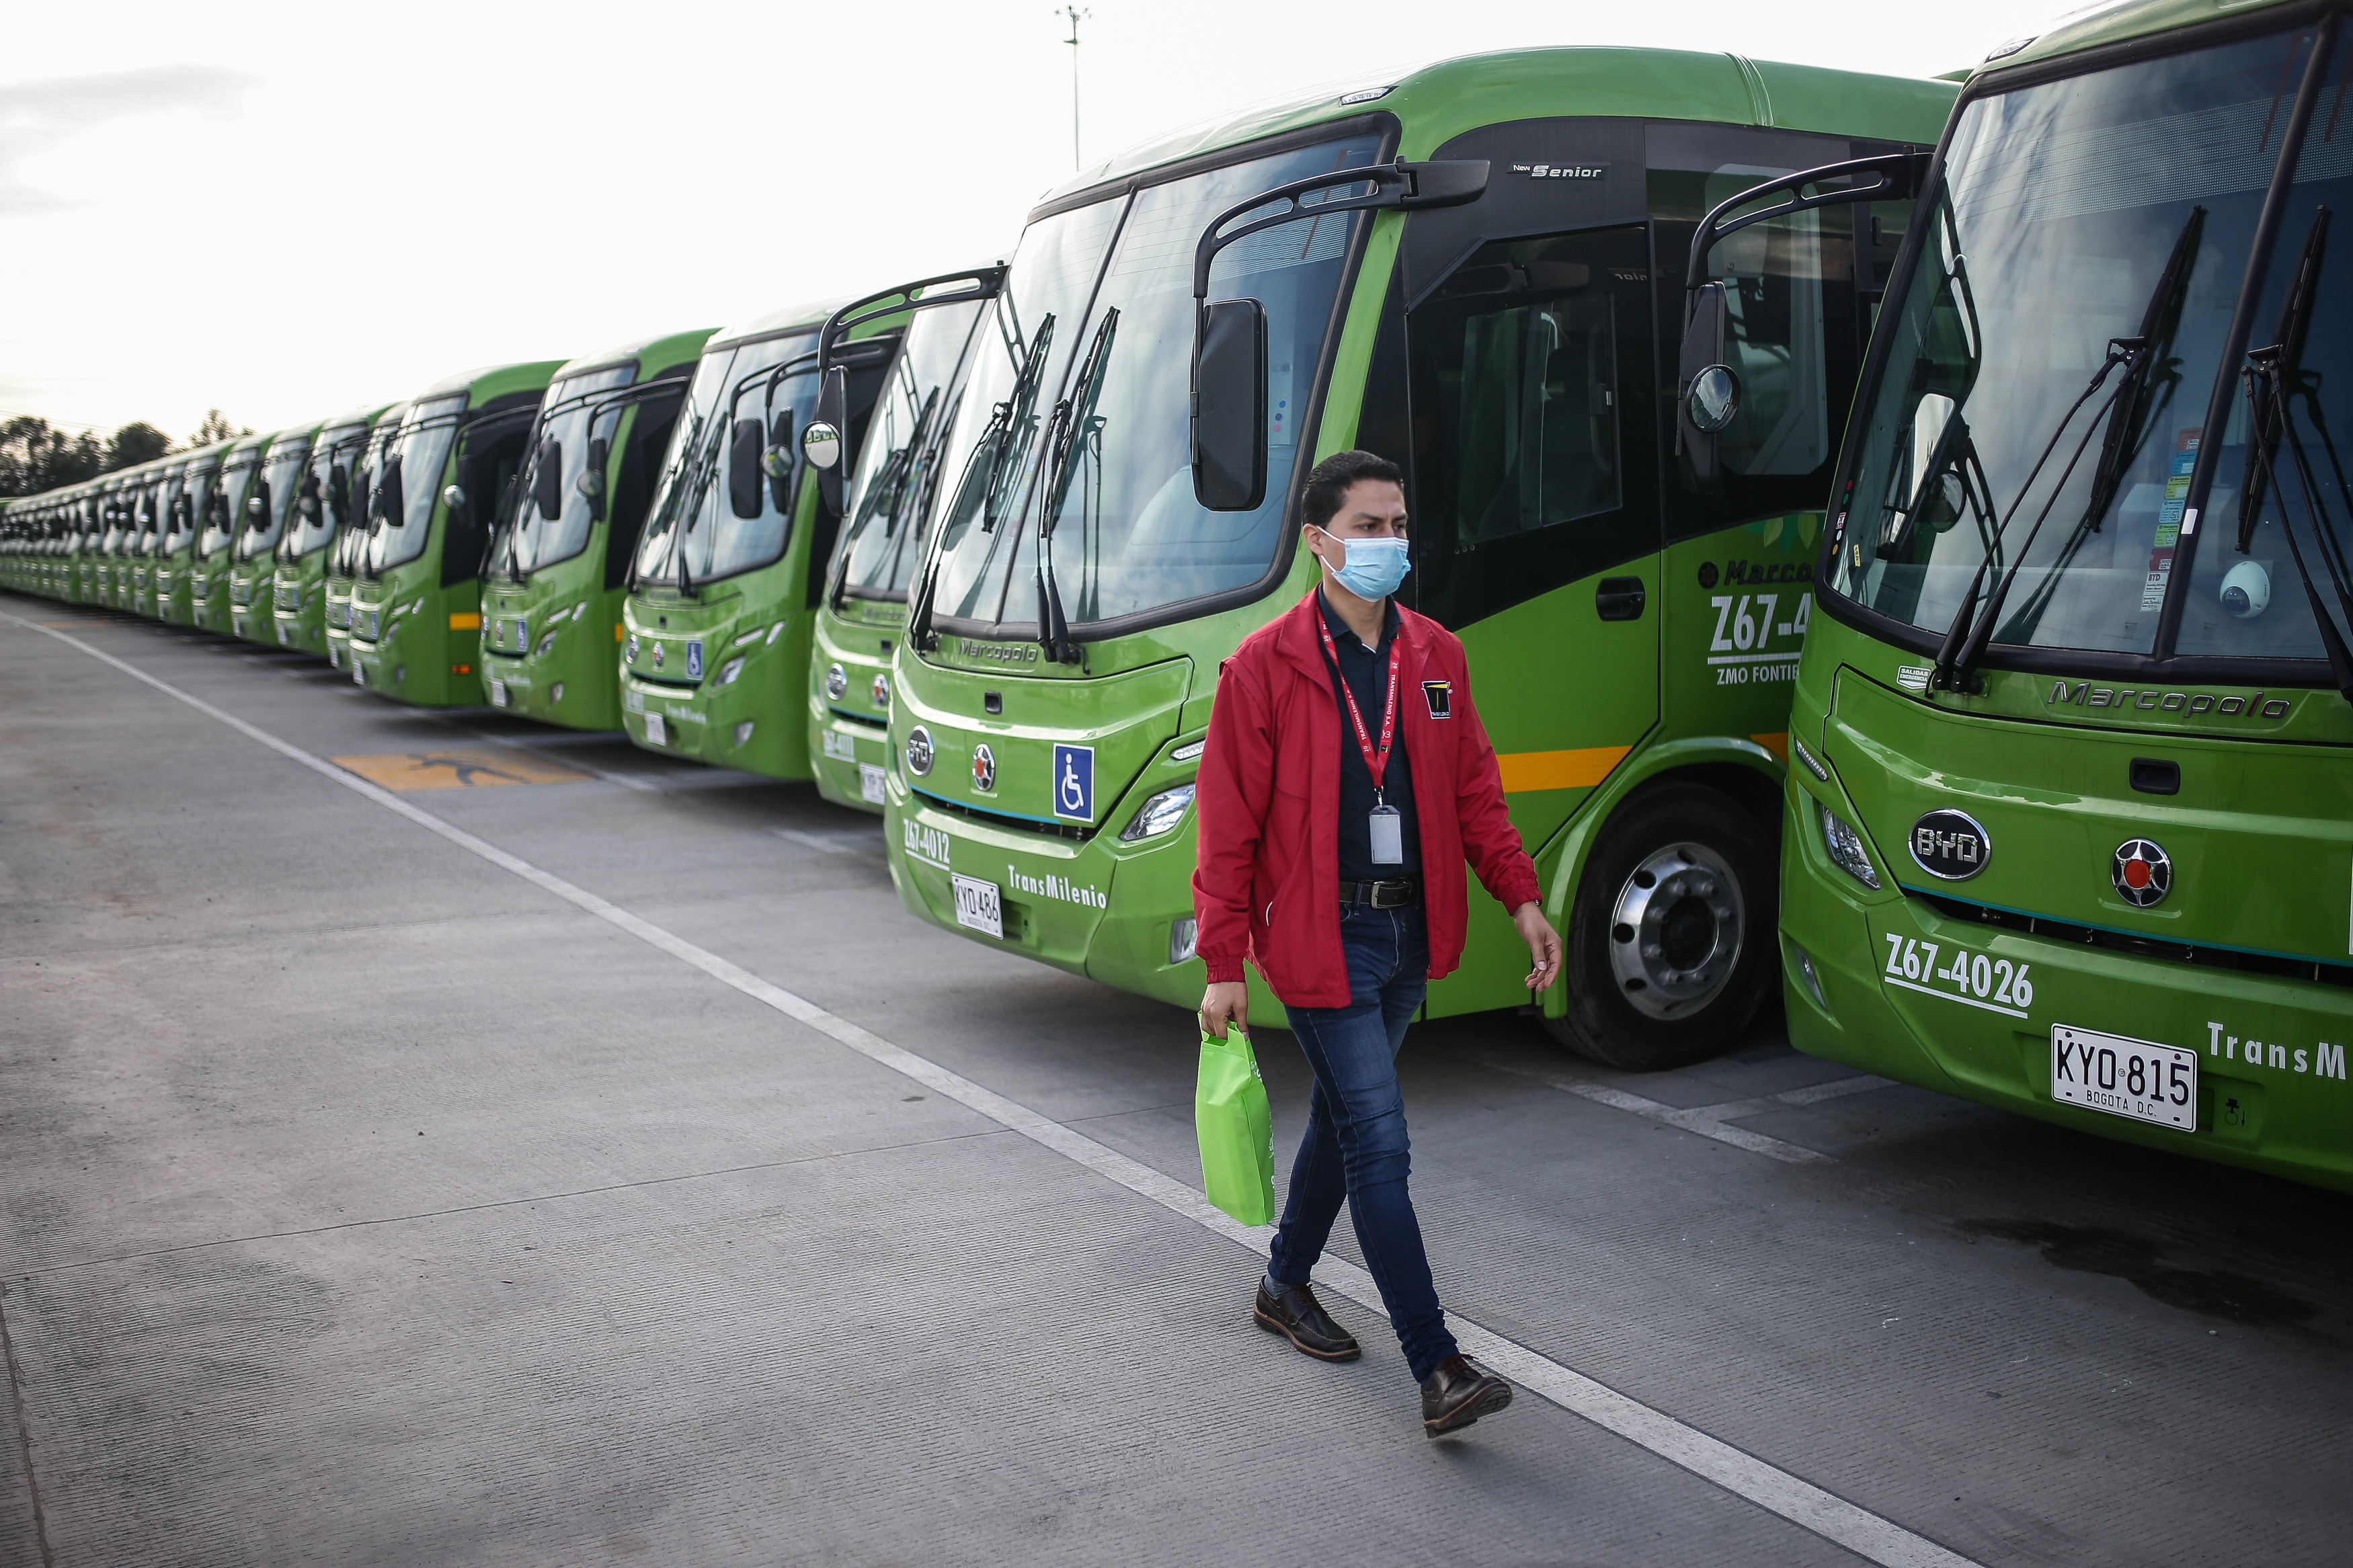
1345	780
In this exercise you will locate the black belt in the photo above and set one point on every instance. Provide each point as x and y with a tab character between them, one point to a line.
1394	895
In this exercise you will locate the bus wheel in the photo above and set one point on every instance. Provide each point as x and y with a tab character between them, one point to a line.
1670	943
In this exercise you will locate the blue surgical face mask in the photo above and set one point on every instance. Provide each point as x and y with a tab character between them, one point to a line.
1374	567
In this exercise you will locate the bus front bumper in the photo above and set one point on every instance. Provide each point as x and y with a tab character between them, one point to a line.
1897	988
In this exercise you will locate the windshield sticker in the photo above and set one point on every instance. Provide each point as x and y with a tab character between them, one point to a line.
2168	521
1993	983
2323	1060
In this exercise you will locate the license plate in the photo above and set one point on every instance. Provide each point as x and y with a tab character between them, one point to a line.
657	732
2124	1077
870	787
498	693
977	906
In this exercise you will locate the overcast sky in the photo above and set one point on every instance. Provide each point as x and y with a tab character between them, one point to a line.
286	210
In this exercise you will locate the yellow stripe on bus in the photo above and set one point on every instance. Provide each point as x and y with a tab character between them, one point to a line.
1527	770
465	621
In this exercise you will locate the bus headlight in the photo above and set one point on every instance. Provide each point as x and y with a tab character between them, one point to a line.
1845	846
728	672
1183	935
1157	815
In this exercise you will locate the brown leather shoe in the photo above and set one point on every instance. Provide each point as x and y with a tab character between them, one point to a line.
1298	1317
1459	1392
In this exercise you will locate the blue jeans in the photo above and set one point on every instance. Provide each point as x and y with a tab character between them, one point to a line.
1355	1147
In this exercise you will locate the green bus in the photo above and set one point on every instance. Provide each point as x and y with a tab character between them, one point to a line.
154	478
416	605
561	549
887	504
2071	826
90	536
187	492
223	518
270	507
322	505
1473	269
119	525
342	558
715	627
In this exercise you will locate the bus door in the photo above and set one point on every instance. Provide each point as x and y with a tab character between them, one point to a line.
1534	501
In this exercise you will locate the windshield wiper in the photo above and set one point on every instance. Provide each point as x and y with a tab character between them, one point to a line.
2266	378
1964	640
1076	425
1017	411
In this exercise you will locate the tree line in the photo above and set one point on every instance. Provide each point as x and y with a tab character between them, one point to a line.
37	455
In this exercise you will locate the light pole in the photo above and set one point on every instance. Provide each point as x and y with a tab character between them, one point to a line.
1076	15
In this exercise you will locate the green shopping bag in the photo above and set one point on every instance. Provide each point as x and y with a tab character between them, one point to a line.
1236	1131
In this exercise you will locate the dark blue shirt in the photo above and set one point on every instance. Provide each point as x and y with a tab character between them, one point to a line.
1366	671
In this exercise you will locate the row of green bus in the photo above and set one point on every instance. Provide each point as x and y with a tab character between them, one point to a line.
1812	464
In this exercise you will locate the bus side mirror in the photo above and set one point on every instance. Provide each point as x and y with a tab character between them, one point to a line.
744	469
1230	406
591	482
776	461
1708	391
832	412
547	480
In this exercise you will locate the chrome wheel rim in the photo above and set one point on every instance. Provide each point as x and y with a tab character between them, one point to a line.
1675	931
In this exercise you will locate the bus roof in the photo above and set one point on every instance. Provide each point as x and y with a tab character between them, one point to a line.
663	352
794	318
2090	26
365	413
1438	102
488	381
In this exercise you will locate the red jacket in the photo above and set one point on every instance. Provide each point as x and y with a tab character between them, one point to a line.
1267	882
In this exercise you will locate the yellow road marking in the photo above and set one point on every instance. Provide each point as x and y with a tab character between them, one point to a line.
407	773
1527	770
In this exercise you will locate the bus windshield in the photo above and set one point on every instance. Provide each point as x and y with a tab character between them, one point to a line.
2117	205
224	503
899	470
696	514
410	484
323	496
574	418
281	480
1109	287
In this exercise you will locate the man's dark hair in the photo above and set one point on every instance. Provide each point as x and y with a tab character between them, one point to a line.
1328	482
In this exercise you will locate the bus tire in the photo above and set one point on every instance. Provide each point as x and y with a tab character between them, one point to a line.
1670	947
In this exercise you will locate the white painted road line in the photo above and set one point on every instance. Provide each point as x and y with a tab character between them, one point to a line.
1800	1501
1710	1120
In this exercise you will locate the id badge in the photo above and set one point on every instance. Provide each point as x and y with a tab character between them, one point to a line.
1389	835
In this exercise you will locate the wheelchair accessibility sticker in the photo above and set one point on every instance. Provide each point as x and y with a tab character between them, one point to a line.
1074	783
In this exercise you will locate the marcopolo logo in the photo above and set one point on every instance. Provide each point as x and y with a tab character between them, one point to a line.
2190	704
1950	844
1750	573
999	652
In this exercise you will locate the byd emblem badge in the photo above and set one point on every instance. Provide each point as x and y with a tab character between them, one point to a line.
2142	872
984	768
1950	844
